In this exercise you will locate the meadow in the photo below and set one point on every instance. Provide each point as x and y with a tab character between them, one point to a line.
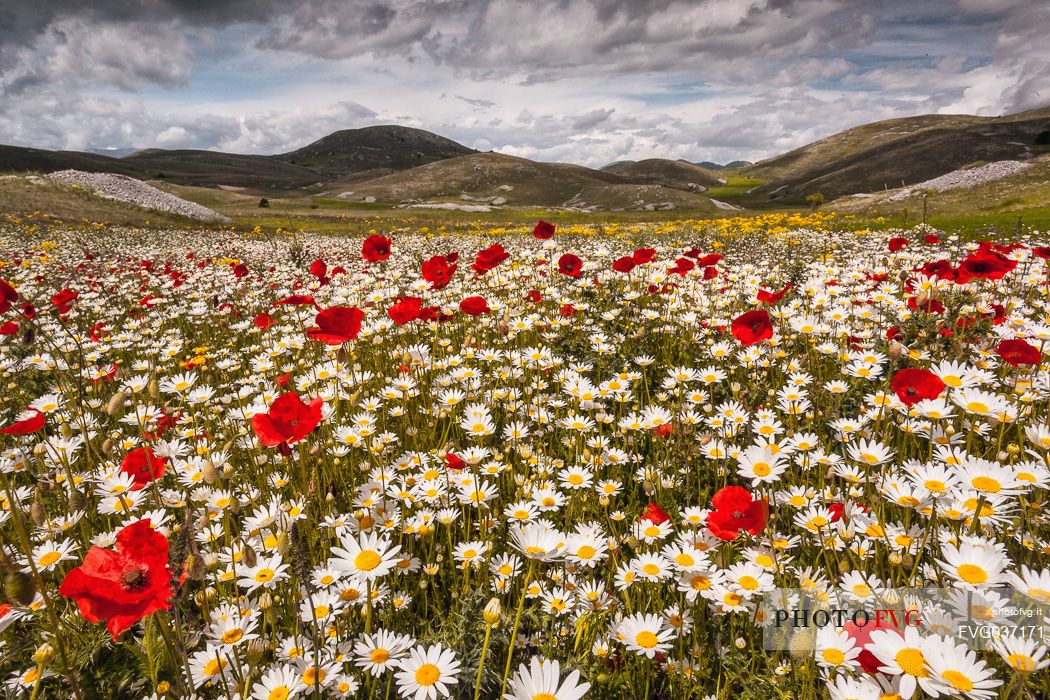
470	459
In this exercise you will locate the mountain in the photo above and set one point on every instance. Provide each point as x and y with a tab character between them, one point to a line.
213	168
351	153
897	152
676	174
373	151
732	165
497	179
21	159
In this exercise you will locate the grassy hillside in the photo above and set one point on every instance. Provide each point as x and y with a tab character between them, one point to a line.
212	168
883	155
676	174
506	180
1014	194
39	199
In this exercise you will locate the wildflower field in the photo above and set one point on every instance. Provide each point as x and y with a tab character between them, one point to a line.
541	463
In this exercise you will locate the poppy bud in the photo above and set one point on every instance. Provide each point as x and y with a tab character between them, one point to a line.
37	511
195	567
210	474
66	431
248	555
19	587
801	644
895	351
116	403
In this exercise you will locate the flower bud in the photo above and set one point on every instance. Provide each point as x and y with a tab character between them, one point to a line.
116	403
256	650
19	587
493	612
43	655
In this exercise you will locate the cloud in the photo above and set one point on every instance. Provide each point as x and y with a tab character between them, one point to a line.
587	81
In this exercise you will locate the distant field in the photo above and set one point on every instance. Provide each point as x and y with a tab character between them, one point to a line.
734	189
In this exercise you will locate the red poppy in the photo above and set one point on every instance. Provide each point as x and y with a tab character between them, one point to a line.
655	514
642	256
264	321
64	299
774	297
534	296
568	310
624	264
931	239
838	509
984	264
897	243
543	230
861	636
297	300
9	328
8	296
489	259
240	270
474	306
735	510
438	270
752	327
681	267
319	269
288	421
143	466
663	430
405	310
940	268
709	259
930	306
1019	352
337	325
570	265
1042	252
30	421
375	248
453	461
125	584
97	332
913	385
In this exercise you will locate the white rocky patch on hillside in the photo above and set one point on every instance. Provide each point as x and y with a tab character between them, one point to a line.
963	179
127	189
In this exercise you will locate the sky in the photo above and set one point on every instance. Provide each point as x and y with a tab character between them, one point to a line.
582	81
